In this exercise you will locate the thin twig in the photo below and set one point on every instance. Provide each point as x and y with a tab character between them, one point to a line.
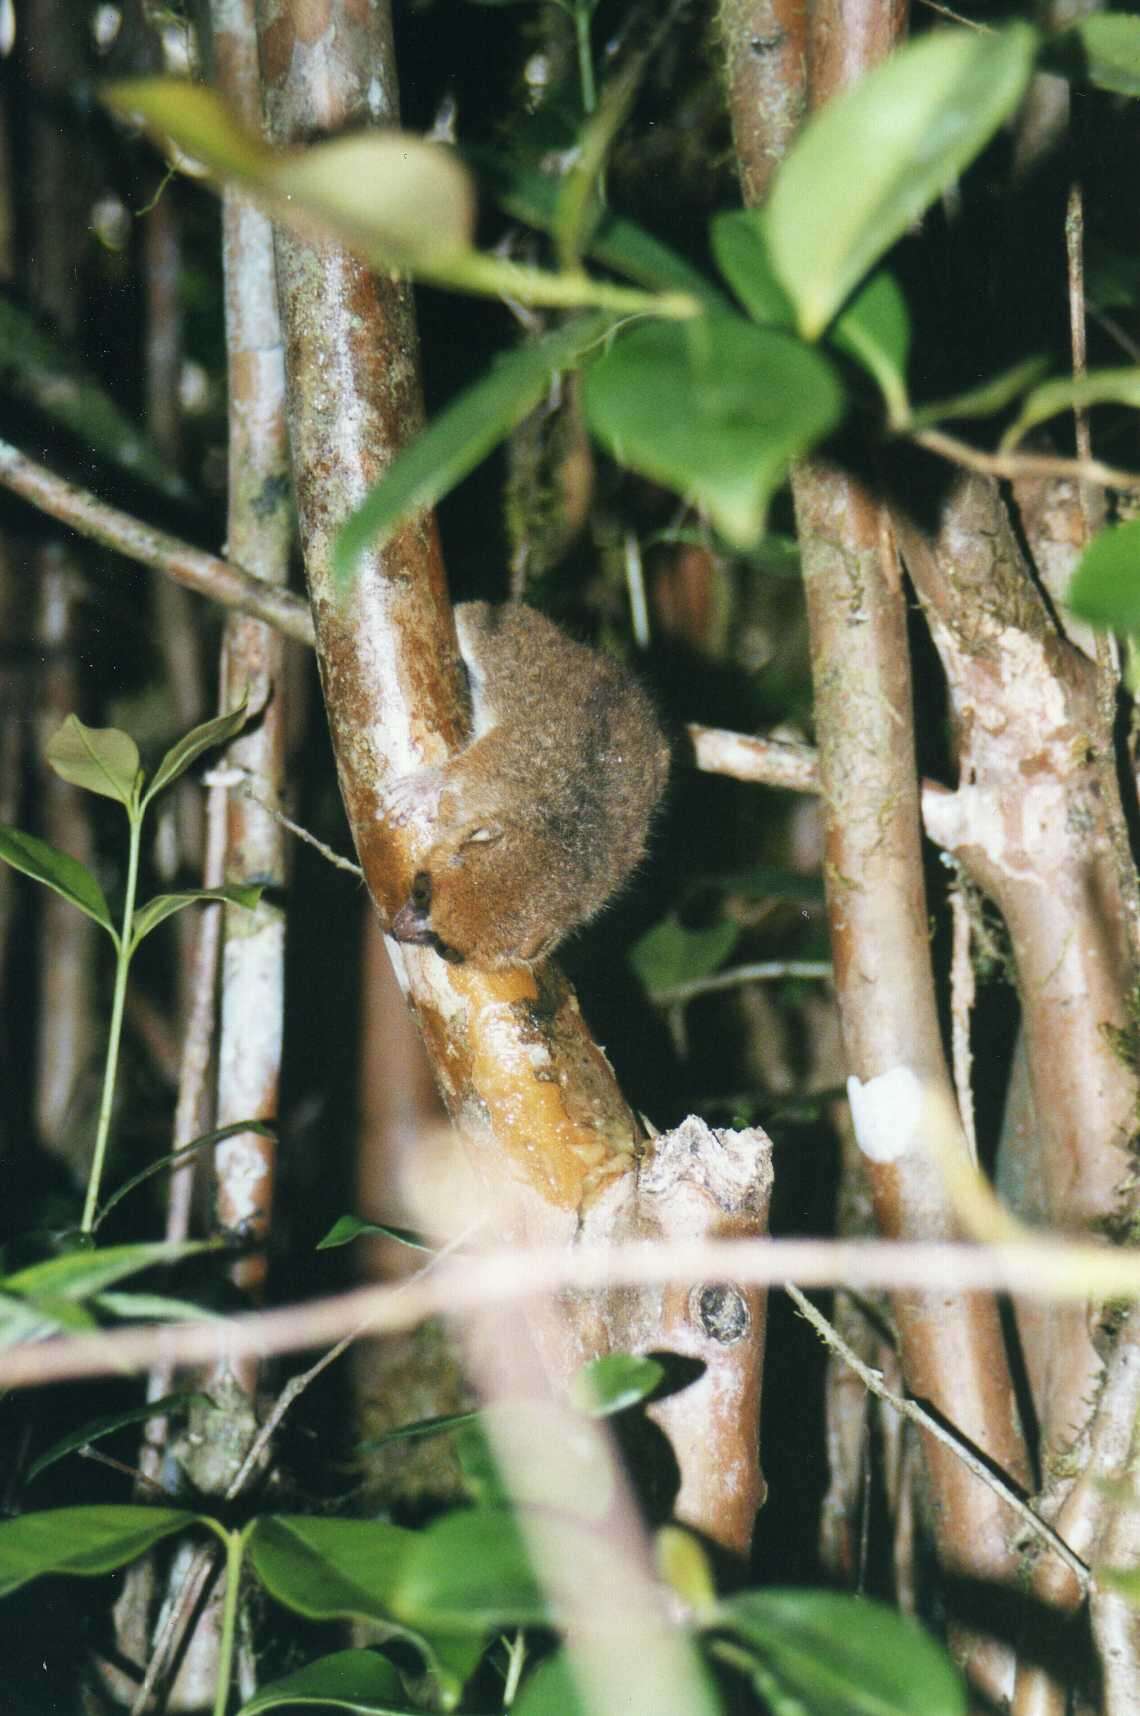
1045	1269
206	573
873	1380
1011	465
762	971
768	762
957	18
327	852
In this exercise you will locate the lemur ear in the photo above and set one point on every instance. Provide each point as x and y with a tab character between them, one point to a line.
481	834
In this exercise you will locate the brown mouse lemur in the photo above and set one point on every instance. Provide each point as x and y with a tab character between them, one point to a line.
533	826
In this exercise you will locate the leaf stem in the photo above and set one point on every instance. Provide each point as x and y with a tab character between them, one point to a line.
123	955
582	15
235	1555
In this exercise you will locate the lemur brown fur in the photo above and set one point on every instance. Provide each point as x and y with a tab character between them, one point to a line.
534	825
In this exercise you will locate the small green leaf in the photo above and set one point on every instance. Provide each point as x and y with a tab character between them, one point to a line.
425	1427
79	1274
1068	393
663	1678
1103	49
464	433
192	744
360	1681
81	1540
331	1569
156	1308
56	870
98	759
349	1227
741	250
470	1573
715	408
1105	588
552	1691
386	194
174	1157
163	906
840	1653
683	1564
669	953
342	1569
170	1406
874	329
43	1314
870	162
614	1382
24	1320
531	196
984	400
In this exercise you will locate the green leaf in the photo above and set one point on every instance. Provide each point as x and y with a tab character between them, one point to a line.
47	1314
79	1274
614	1382
389	195
669	953
162	906
56	870
347	1569
741	250
98	759
663	1679
24	1320
874	329
1105	588
349	1227
552	1691
156	1308
463	434
715	408
170	1406
837	1653
331	1569
684	1565
81	1540
984	400
1103	50
531	196
357	1680
425	1427
868	164
174	1157
470	1573
1068	393
192	744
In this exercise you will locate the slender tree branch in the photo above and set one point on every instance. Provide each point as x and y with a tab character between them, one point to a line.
1047	1270
873	1380
1012	465
193	567
763	971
